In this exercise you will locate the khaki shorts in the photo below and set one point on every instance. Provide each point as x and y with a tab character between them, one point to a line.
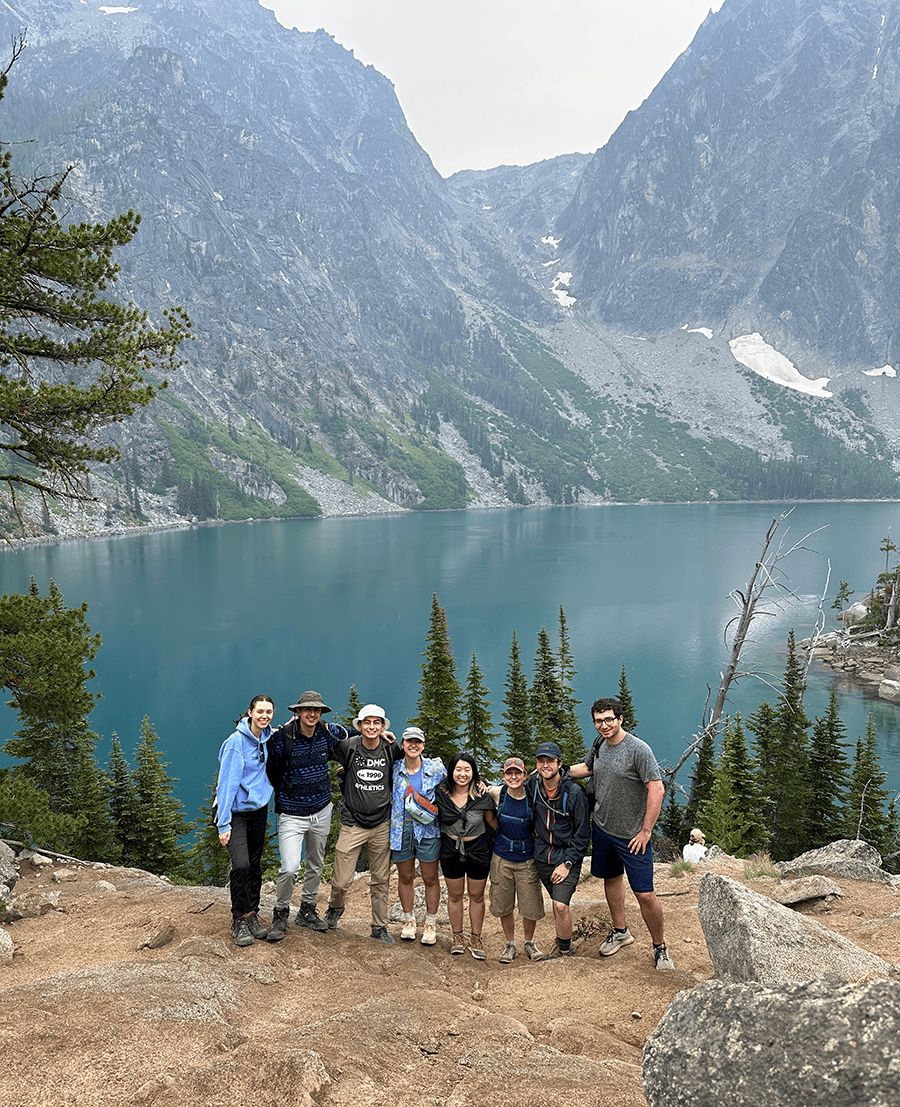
512	880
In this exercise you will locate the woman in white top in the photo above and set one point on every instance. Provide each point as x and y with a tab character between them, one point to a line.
695	850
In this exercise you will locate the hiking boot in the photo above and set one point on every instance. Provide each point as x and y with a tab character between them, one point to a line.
555	953
615	939
662	958
280	917
380	934
509	953
429	934
476	948
331	917
534	954
240	931
255	927
408	933
459	943
308	916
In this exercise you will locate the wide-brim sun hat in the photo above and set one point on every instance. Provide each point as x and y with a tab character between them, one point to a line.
310	699
371	710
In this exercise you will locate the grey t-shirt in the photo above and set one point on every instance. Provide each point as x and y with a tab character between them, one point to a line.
621	773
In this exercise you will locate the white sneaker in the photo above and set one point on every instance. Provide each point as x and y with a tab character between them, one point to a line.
408	933
662	958
429	935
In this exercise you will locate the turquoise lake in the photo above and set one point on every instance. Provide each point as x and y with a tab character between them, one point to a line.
196	622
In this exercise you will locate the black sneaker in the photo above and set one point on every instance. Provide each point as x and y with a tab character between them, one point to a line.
308	916
555	953
331	917
255	927
280	917
380	934
240	931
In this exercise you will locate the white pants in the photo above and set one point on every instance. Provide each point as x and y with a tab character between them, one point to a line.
300	835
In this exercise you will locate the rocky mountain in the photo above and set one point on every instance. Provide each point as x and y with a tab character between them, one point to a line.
370	336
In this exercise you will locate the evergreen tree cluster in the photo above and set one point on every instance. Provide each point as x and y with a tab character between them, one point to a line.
540	711
794	787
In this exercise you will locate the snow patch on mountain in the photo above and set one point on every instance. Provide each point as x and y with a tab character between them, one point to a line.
753	351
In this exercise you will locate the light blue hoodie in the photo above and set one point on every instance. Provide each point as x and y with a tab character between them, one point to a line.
243	784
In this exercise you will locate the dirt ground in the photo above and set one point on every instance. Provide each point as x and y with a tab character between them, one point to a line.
337	1020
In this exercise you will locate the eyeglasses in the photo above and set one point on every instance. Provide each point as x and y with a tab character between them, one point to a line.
606	721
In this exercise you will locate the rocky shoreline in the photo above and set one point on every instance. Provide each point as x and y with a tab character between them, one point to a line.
866	662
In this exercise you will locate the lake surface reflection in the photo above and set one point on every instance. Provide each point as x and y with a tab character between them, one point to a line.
196	622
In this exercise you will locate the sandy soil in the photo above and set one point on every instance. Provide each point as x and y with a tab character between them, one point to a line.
337	1020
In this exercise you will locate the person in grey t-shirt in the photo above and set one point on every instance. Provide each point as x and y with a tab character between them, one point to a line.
629	796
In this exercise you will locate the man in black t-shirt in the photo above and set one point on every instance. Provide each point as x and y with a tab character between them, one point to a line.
368	759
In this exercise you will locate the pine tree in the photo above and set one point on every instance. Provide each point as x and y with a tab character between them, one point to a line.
440	698
28	816
673	824
159	813
478	729
864	812
122	803
545	695
629	719
784	764
354	703
44	650
826	819
733	818
570	739
208	861
59	323
517	716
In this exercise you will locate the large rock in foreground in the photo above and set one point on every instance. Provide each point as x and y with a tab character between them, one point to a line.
809	1044
750	937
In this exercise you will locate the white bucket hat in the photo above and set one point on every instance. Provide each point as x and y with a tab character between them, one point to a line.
372	709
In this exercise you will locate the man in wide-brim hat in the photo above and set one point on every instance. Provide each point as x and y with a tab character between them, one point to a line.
299	752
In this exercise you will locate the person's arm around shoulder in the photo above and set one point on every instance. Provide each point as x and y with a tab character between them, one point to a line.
656	793
579	771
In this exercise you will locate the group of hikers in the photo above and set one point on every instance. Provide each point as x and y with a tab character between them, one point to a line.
532	830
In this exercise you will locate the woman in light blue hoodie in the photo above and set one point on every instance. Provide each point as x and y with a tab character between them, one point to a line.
242	802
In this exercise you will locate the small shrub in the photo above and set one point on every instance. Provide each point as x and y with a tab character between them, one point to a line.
760	864
679	868
587	927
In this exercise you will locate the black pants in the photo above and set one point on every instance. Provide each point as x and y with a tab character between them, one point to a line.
248	839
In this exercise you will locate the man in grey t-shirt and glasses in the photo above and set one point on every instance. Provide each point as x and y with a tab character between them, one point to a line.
629	795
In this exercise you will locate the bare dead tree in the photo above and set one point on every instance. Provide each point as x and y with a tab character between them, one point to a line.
768	583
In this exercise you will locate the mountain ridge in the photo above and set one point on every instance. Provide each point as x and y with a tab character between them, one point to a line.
361	320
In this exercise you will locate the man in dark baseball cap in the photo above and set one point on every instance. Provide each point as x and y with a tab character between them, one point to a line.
562	833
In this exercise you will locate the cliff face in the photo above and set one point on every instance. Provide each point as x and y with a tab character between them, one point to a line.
369	335
755	188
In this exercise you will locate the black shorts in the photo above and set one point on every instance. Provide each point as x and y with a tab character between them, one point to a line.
476	865
562	892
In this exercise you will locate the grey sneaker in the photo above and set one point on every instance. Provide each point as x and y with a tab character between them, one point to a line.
255	927
615	939
308	916
662	958
280	917
534	954
508	954
240	931
331	917
380	934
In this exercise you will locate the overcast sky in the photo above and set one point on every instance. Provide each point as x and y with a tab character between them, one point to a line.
509	82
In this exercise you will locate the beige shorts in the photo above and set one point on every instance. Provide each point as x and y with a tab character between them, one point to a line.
512	880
